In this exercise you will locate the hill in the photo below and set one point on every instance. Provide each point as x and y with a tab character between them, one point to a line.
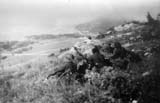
138	83
99	25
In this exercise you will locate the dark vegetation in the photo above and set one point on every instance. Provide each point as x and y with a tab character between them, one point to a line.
139	82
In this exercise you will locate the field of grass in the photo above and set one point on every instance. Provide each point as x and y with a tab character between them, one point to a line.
23	76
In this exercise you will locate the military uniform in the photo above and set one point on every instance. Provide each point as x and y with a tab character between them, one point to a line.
108	49
97	60
119	56
69	66
119	53
81	69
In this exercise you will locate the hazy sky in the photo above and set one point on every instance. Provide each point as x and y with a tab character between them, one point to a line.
28	17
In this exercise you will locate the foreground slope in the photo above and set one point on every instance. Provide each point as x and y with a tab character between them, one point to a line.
29	83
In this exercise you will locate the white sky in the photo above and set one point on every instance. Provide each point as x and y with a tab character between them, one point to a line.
27	17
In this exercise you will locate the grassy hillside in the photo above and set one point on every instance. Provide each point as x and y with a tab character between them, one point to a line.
28	83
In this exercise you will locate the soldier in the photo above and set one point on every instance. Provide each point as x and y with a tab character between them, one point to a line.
97	59
119	56
109	48
134	57
68	67
119	51
81	69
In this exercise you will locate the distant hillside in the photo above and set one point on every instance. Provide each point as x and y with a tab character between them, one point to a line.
99	25
10	45
52	36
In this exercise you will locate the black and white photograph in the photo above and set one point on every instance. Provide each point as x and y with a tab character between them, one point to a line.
79	51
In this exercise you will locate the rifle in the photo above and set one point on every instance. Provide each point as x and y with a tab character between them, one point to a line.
90	65
81	55
50	75
64	74
60	76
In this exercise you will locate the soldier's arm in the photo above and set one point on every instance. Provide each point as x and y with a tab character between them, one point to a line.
57	72
80	54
